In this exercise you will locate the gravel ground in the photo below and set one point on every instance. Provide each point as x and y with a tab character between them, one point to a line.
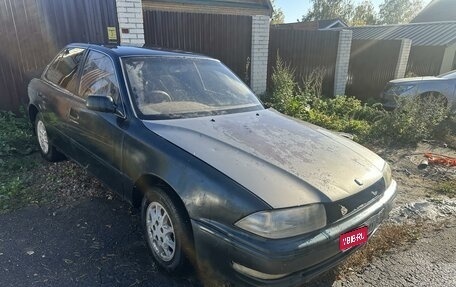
429	262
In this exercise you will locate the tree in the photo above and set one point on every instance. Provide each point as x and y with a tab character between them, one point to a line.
277	14
329	9
399	11
364	14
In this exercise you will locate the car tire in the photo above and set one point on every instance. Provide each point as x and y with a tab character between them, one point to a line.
167	231
47	150
434	97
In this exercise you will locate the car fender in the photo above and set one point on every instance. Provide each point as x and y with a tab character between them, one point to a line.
205	192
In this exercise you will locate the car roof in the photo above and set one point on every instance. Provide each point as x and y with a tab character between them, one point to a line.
126	51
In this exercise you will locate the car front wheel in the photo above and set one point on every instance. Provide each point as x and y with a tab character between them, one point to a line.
433	98
165	230
48	151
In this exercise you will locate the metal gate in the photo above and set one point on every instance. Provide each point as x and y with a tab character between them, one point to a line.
224	37
425	60
372	64
305	51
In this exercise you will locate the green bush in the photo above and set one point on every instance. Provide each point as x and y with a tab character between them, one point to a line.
283	96
341	113
417	118
446	131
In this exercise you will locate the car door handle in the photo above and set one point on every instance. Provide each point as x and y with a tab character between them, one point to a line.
74	114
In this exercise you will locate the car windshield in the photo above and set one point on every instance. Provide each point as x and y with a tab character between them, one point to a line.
181	87
449	75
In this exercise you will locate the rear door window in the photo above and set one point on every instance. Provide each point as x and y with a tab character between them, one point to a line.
64	70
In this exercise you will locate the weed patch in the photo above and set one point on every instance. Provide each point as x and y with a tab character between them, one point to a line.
17	162
447	188
15	134
386	238
417	118
25	178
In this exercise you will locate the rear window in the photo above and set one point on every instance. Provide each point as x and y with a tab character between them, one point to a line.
63	71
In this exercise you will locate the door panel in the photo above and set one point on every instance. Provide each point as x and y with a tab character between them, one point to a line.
98	136
58	81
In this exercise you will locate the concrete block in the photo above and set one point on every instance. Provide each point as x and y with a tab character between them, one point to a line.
135	20
124	4
342	62
403	57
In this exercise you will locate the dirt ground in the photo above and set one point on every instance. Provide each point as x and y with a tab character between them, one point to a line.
416	184
75	232
430	261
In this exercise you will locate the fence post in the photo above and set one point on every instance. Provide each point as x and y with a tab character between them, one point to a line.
259	56
402	61
131	22
342	62
448	59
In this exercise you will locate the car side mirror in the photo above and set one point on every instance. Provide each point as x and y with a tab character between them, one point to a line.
101	104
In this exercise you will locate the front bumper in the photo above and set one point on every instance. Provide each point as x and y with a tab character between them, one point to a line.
389	101
302	257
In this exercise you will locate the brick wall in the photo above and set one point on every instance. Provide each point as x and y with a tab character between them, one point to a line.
259	60
342	62
131	26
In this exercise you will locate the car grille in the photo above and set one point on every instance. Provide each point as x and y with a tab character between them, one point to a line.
352	204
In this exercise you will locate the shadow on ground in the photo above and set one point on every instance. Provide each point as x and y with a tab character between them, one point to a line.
95	242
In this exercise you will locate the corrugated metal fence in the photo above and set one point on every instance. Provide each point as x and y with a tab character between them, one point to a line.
454	62
225	37
372	64
425	60
32	31
305	51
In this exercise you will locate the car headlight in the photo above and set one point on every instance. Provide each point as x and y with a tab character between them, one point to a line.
283	223
398	90
387	174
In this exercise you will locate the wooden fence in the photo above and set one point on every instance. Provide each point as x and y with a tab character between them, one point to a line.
305	52
372	64
224	37
32	31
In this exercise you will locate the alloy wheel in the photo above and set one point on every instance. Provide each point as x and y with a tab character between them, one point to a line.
160	231
42	137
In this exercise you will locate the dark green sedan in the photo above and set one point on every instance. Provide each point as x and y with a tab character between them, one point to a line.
244	193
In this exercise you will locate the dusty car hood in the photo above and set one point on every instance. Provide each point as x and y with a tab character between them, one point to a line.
283	161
